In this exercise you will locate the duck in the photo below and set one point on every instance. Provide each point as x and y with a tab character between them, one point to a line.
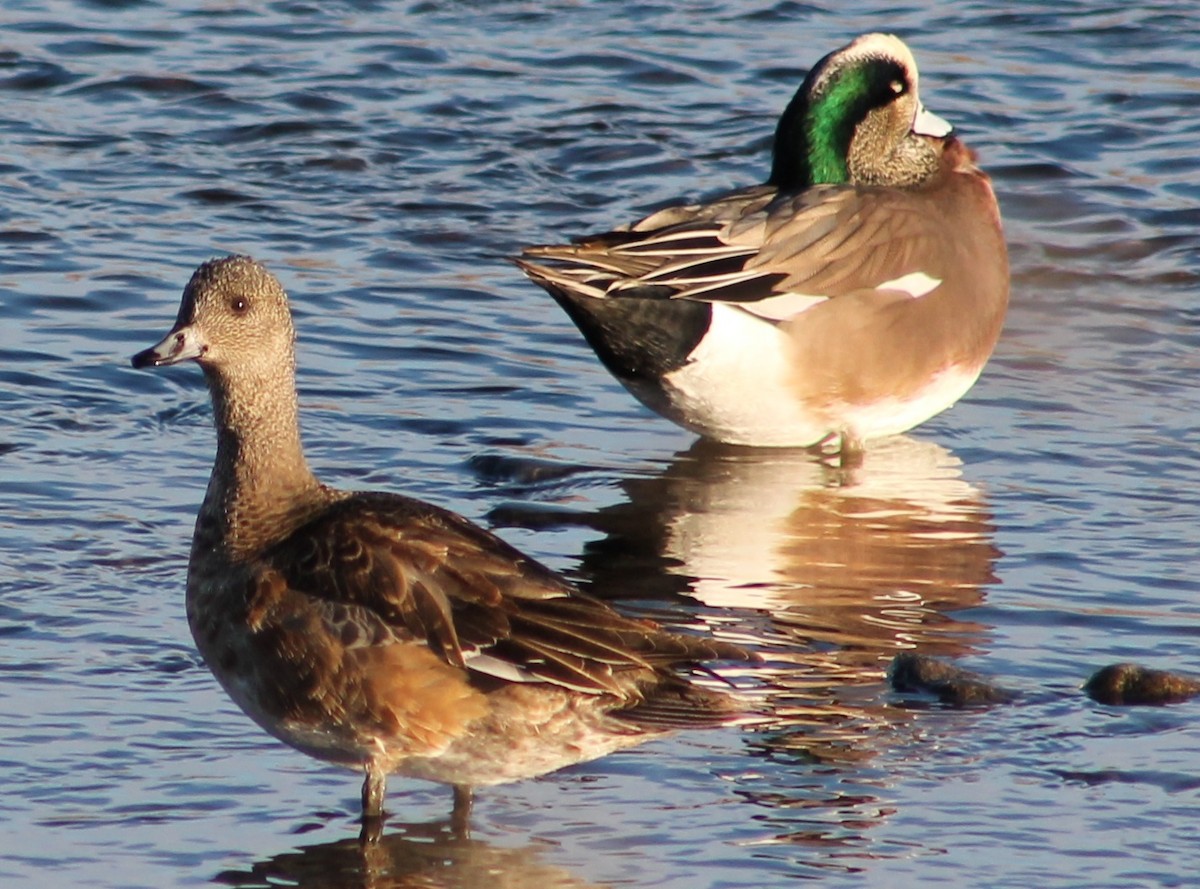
854	295
384	633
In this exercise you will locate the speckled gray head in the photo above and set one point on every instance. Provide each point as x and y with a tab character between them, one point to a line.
858	118
233	311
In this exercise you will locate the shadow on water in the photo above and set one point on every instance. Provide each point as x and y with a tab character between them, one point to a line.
410	855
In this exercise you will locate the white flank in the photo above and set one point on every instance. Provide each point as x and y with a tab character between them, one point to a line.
738	387
735	387
891	416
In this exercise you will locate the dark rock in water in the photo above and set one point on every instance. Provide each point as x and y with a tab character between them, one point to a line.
1131	684
953	686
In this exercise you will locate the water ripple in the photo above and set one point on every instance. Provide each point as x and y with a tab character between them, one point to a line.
386	159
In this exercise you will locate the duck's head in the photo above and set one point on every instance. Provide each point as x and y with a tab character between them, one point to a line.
234	314
858	118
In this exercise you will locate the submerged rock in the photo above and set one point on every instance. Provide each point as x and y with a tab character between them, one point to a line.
1132	684
953	686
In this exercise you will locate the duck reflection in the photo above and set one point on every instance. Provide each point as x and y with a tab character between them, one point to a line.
830	570
436	854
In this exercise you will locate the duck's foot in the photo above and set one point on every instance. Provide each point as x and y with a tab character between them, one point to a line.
850	455
839	451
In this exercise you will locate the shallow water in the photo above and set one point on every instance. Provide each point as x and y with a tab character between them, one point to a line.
384	159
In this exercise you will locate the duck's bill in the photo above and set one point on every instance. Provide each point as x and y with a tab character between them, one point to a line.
926	123
181	344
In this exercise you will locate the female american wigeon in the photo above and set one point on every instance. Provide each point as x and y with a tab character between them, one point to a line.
380	632
854	295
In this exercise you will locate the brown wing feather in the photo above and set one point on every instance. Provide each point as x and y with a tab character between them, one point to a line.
850	239
388	569
825	241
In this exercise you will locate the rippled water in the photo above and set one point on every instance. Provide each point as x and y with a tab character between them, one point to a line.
384	159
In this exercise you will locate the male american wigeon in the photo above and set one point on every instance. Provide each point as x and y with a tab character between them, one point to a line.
854	295
383	633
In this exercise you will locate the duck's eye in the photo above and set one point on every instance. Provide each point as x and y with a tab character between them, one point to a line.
239	305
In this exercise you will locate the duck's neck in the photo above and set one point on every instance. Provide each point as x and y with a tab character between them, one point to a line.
261	487
812	143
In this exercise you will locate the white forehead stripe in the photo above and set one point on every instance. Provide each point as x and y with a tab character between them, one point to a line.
887	45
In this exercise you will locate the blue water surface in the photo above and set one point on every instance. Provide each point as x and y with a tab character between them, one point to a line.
385	158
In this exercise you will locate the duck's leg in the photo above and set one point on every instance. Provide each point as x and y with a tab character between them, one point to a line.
373	789
460	816
851	452
370	832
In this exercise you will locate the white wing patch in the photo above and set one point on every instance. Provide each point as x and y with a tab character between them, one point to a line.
493	666
915	284
788	305
782	307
